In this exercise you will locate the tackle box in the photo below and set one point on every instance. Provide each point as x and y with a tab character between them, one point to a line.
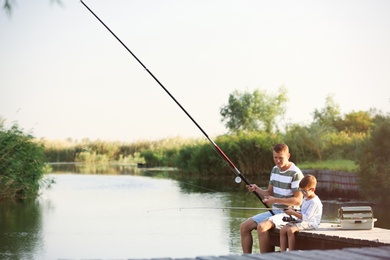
359	217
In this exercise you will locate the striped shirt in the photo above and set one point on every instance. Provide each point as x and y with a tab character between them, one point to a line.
285	183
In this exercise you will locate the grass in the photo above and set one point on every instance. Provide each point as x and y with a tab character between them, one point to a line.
333	165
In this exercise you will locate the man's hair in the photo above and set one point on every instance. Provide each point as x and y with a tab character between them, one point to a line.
281	148
308	181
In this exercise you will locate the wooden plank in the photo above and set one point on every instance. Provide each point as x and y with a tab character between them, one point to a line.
331	236
210	257
326	254
270	256
375	235
377	252
366	253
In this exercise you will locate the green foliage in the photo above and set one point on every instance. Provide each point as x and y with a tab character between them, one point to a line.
308	143
344	145
332	165
318	143
374	162
88	157
95	151
251	152
153	153
255	111
21	164
329	114
355	122
8	5
329	138
153	158
200	159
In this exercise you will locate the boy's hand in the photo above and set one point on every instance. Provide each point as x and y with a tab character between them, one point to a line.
289	211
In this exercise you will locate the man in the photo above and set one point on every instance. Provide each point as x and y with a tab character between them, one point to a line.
282	192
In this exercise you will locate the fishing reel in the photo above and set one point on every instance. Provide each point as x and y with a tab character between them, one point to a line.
288	219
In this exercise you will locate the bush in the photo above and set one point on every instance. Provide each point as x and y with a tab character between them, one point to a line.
374	163
21	164
344	145
199	159
250	152
318	143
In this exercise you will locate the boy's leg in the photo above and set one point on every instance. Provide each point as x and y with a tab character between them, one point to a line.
283	238
262	232
291	237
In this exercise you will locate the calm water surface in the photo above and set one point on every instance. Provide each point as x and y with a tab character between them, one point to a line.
131	215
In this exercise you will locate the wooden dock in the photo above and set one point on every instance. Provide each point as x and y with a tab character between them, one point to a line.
365	253
331	236
327	242
377	253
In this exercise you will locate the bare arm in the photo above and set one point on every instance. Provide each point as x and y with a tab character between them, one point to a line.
292	212
263	193
296	200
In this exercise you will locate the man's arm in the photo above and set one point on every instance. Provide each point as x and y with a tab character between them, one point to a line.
296	200
263	193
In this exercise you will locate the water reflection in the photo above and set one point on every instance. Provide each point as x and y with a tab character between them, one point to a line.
87	168
132	213
20	229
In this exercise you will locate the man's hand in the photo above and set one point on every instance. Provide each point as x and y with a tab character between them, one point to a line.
252	187
269	199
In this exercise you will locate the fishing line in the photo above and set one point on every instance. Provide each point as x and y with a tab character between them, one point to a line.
204	188
197	186
217	208
239	176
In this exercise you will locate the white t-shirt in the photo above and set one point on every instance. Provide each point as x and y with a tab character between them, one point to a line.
311	211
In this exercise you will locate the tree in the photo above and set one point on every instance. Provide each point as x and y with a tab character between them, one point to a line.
374	162
355	122
329	114
309	143
8	5
254	111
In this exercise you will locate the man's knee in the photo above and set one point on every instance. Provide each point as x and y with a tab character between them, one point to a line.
248	225
264	226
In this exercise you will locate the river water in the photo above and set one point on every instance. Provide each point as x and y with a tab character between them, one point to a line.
129	213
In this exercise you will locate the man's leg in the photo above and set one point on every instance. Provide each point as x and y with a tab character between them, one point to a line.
262	232
246	228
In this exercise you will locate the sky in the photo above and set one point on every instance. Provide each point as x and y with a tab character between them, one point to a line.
63	75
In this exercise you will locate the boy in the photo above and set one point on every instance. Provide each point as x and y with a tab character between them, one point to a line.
282	192
309	218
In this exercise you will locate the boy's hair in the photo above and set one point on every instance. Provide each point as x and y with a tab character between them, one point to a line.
308	181
281	148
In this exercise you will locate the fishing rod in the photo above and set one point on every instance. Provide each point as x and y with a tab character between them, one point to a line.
220	208
238	174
